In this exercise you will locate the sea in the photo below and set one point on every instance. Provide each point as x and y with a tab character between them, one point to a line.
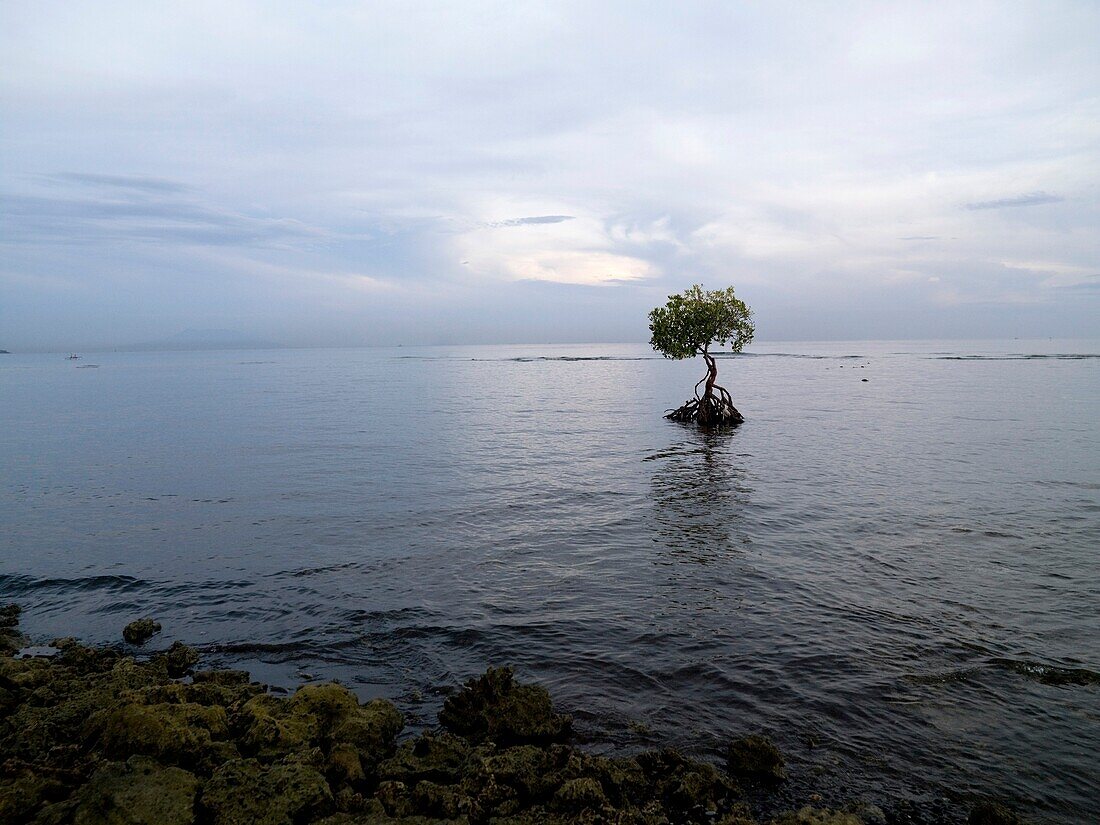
892	568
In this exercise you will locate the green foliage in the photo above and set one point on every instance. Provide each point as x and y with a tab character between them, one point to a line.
696	318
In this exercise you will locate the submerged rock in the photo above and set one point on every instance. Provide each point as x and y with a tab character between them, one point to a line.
755	757
140	631
496	708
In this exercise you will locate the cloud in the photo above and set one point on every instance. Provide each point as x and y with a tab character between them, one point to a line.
1030	199
350	171
134	182
36	219
538	219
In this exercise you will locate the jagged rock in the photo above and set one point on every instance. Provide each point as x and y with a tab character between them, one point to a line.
139	792
755	757
140	631
178	659
496	708
576	795
438	757
318	715
244	792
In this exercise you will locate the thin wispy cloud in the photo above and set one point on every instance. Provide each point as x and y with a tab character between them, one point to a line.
1030	199
532	221
131	182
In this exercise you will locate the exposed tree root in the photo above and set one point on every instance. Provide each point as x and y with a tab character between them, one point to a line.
712	410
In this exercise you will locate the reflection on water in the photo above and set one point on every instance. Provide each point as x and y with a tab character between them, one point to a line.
699	494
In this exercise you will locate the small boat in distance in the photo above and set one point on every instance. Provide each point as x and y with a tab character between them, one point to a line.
72	356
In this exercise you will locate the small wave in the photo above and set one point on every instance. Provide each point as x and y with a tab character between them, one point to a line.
1050	674
1017	357
1045	674
16	585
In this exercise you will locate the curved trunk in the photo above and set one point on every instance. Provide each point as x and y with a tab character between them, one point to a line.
705	406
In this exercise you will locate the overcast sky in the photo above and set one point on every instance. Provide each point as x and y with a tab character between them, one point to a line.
401	172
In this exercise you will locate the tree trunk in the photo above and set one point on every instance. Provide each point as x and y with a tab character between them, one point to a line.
714	407
706	406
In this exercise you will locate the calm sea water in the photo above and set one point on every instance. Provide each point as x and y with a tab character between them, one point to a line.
898	579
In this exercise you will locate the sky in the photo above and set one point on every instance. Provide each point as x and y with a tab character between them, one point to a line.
490	172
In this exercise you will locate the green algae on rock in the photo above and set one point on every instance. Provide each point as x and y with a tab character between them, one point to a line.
139	631
94	737
137	791
755	757
496	708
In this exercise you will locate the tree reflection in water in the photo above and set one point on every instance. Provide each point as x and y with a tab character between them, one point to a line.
699	494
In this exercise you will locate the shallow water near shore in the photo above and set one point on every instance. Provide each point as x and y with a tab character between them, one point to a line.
898	579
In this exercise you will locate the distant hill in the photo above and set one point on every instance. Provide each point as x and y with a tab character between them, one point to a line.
205	339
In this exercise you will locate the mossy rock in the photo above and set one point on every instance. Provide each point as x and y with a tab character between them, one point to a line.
22	796
244	792
178	660
431	756
496	708
576	795
139	631
755	757
319	716
185	734
139	792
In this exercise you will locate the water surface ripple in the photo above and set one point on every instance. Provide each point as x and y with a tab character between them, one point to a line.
895	578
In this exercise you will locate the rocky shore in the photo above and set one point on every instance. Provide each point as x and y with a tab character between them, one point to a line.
93	735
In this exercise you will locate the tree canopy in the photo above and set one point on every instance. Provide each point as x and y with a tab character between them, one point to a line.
696	318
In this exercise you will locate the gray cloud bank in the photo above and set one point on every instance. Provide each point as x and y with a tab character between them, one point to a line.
411	172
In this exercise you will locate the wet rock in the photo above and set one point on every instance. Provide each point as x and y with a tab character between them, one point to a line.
755	757
139	792
244	792
684	786
10	638
816	816
319	716
496	708
178	660
140	631
226	678
993	813
9	615
576	795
